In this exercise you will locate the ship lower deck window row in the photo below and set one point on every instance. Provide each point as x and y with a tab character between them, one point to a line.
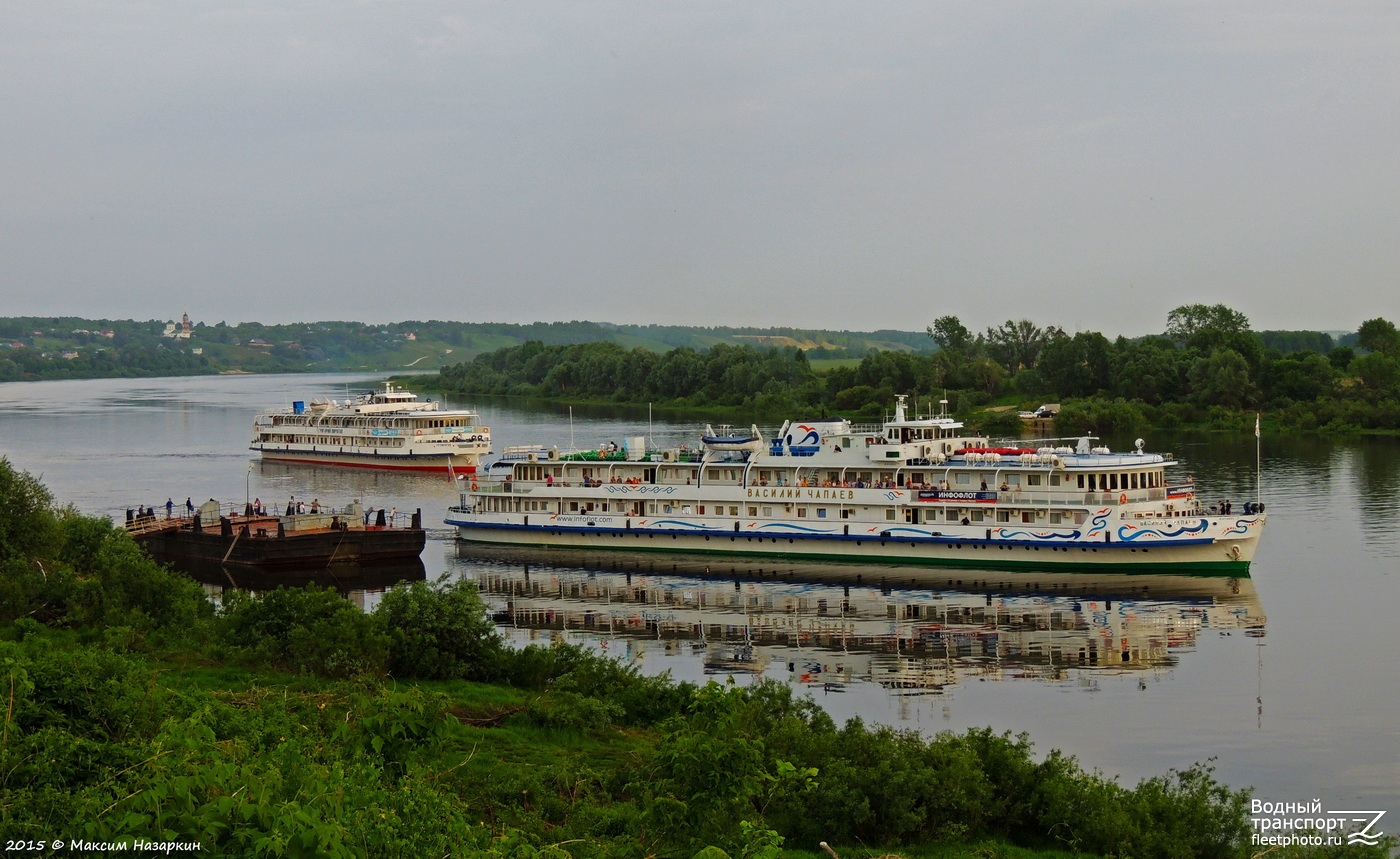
333	440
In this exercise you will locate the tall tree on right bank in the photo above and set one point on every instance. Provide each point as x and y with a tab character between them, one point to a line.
1214	336
1379	335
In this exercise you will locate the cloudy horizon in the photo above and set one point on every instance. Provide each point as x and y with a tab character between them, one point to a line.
1089	165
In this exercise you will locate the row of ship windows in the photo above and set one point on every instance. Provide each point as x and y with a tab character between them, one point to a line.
1113	481
1095	482
755	511
393	423
334	440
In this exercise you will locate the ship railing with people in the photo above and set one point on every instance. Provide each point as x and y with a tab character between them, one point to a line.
313	516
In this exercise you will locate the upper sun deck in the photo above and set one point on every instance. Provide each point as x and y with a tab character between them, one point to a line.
901	437
392	401
917	448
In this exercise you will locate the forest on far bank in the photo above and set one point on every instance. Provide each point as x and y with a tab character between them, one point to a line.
35	348
1207	368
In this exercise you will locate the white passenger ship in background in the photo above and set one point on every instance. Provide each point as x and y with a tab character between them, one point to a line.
389	428
910	490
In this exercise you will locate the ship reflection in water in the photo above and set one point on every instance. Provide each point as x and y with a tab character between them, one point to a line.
914	632
360	583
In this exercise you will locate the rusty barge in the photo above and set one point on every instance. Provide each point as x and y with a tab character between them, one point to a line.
223	535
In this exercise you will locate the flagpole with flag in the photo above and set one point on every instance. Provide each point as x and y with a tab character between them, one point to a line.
1258	463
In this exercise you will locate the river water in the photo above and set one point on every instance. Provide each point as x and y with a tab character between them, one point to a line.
1289	679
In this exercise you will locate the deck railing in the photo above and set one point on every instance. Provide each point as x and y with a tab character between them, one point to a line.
1022	498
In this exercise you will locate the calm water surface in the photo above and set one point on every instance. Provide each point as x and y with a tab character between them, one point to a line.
1289	679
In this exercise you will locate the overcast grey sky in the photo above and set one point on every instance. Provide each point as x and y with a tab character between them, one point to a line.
812	164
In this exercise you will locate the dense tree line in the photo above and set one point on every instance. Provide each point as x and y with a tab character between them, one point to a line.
1206	368
70	347
293	724
724	375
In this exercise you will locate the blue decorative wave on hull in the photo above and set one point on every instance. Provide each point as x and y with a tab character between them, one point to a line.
1129	533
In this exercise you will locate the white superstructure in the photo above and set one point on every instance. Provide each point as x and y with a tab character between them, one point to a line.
389	428
909	490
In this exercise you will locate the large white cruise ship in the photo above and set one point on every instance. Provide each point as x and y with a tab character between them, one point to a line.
910	490
391	428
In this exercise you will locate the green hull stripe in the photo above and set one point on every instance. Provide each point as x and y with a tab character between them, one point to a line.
1040	563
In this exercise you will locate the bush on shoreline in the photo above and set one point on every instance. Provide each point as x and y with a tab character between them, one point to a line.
292	724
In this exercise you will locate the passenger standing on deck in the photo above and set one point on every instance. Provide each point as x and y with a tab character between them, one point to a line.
170	508
189	506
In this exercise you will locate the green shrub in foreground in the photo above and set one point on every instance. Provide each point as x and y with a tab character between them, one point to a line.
439	632
305	630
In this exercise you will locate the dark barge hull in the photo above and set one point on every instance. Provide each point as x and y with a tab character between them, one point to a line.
296	551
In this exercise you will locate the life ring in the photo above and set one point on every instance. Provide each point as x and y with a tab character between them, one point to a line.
1123	499
473	486
417	432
